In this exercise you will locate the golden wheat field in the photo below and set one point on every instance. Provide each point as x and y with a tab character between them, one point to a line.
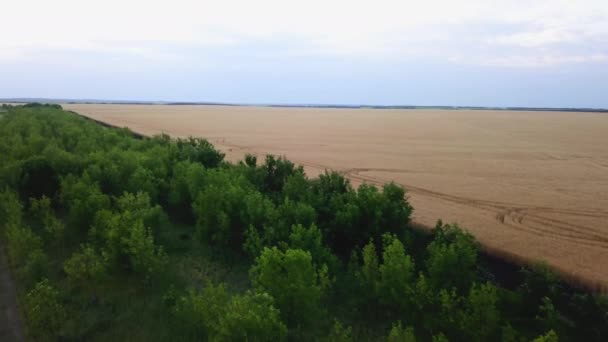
528	185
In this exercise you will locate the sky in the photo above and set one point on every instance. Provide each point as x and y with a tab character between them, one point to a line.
538	53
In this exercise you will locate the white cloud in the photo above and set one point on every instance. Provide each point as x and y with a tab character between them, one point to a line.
386	29
542	61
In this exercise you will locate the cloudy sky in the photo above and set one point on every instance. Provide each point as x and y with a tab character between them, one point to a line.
480	52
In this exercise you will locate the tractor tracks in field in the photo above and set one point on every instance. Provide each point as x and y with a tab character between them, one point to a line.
534	220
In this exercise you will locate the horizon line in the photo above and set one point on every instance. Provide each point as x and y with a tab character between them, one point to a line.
297	105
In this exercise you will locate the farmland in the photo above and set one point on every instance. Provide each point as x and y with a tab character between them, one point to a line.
110	235
528	185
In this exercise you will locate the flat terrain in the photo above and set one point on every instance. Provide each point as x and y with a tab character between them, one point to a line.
532	185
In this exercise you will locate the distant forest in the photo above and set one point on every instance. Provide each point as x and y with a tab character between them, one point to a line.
115	236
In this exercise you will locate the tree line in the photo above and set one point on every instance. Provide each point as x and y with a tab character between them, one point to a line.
116	236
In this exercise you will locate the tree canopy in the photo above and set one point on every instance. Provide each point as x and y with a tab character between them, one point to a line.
115	236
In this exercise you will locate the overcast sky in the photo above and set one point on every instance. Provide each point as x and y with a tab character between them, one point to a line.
481	52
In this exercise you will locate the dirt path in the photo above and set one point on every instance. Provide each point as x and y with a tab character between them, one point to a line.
11	328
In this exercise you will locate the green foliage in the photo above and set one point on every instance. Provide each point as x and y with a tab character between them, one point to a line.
399	334
35	268
250	160
370	271
10	209
127	243
481	316
310	239
44	311
439	338
226	207
86	268
351	218
21	241
95	224
396	276
292	279
214	315
251	317
42	211
186	182
452	258
340	333
200	151
550	336
275	172
146	258
83	199
199	313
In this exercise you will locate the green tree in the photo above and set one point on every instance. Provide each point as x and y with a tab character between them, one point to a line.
291	278
127	243
10	209
452	259
311	240
43	212
340	333
86	267
21	241
44	311
251	317
481	316
199	313
550	336
83	199
399	334
370	270
396	276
